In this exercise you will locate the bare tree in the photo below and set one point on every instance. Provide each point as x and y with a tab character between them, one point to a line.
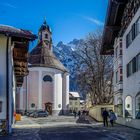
94	71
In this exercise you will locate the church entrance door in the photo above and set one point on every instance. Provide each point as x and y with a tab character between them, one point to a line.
48	107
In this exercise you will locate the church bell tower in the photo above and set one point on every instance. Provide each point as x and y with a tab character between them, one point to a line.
44	35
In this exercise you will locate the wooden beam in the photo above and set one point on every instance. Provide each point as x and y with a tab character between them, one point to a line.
20	63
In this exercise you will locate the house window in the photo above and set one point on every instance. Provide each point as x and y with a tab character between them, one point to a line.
116	52
70	103
121	78
128	106
128	39
129	70
138	106
135	30
120	71
138	26
116	76
138	61
134	65
120	51
75	103
0	106
121	44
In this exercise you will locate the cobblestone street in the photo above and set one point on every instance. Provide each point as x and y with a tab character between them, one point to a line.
67	127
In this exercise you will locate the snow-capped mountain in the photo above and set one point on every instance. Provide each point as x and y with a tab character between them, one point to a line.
64	52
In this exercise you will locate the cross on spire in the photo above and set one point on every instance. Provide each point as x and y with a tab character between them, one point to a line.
45	23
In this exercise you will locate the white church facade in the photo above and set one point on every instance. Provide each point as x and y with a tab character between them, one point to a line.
47	85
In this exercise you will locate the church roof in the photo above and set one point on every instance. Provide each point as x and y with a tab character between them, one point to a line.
44	26
43	57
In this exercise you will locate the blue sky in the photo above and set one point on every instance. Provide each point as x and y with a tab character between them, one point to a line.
68	19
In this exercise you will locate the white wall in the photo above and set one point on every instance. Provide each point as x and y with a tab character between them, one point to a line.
3	41
128	54
3	76
131	84
57	86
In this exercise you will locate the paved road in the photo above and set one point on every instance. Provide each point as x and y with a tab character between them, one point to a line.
53	121
66	128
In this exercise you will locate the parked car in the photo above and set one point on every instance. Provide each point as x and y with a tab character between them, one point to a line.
32	113
29	113
40	114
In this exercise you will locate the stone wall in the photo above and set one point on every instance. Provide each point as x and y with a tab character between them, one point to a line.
96	111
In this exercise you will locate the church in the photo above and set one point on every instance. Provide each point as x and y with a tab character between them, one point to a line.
46	87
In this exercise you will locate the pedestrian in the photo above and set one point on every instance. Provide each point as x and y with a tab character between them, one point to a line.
112	117
105	116
87	112
75	113
79	113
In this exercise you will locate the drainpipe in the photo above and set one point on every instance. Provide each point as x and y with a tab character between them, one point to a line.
7	84
26	95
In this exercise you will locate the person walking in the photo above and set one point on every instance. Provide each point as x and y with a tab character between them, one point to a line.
79	113
105	116
112	117
75	113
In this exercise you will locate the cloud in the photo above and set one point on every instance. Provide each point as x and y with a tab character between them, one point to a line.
9	5
93	20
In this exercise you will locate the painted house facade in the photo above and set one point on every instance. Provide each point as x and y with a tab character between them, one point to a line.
13	59
47	85
118	75
74	101
122	34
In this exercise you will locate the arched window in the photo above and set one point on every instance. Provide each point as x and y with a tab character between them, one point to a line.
46	36
138	106
120	107
47	78
128	106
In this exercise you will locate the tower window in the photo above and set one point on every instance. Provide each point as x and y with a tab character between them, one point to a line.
46	36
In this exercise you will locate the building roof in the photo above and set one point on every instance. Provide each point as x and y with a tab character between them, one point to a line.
112	25
12	31
82	101
43	57
74	94
44	26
